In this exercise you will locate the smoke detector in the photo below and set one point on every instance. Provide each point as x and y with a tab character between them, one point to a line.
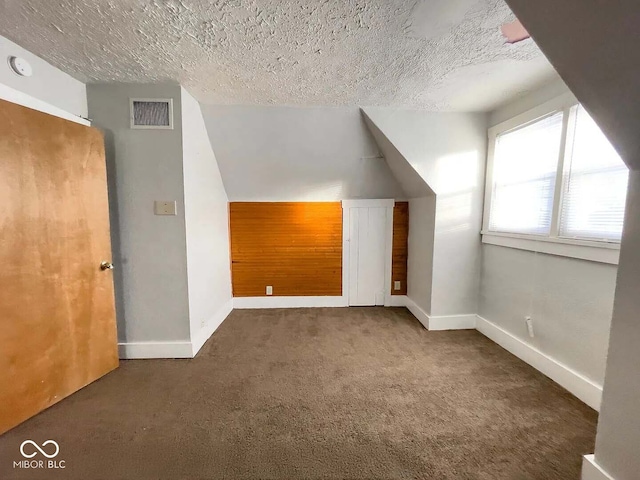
20	66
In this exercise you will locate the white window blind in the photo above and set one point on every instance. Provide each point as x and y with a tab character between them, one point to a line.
524	175
594	183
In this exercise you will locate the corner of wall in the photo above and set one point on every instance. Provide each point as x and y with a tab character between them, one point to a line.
206	227
592	471
443	153
48	83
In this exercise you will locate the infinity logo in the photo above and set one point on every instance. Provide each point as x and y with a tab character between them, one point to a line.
39	449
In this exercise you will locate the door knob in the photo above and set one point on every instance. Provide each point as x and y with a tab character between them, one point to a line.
106	266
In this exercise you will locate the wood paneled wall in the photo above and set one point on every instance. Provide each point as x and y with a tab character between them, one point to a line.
296	247
400	247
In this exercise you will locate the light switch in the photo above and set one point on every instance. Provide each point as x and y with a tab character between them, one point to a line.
396	285
165	207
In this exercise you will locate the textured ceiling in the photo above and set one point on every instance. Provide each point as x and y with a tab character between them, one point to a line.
429	54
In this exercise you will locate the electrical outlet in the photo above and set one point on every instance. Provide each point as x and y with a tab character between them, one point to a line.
165	207
529	322
396	285
269	290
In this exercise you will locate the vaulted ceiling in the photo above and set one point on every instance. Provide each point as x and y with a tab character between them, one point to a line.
431	54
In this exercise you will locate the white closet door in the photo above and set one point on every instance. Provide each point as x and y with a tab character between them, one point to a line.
367	255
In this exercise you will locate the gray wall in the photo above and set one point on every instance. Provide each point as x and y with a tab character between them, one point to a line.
297	154
207	222
594	51
149	250
47	83
448	151
422	226
618	439
570	300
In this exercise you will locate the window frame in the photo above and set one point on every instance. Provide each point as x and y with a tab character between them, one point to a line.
594	250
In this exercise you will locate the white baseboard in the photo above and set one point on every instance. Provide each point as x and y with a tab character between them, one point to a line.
443	322
398	301
305	302
453	322
421	315
580	386
140	350
199	339
592	471
289	302
184	349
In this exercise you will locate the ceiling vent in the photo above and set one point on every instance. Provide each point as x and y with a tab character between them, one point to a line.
152	113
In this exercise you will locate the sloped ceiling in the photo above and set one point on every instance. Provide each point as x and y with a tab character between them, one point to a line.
409	179
595	50
297	154
430	54
431	152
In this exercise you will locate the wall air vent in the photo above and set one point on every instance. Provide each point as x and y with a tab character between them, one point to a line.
152	113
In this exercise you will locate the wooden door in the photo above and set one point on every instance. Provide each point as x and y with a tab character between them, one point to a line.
57	313
368	232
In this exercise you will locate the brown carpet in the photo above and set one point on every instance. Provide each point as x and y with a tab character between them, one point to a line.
346	393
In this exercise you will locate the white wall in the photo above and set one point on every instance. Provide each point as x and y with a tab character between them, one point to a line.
447	150
207	224
618	438
149	250
546	92
297	154
422	218
47	83
569	300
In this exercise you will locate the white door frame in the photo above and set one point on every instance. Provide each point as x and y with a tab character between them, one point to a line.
347	205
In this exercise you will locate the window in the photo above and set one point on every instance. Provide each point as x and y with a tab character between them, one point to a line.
553	176
524	177
594	184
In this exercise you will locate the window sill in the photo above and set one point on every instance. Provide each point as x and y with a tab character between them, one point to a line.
600	252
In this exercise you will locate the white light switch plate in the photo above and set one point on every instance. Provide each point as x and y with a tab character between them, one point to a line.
269	290
396	285
164	207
